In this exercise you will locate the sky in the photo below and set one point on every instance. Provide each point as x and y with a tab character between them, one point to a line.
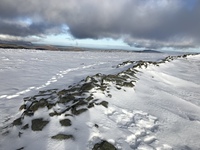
150	24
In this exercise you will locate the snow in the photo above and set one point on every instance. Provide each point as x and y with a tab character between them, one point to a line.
161	111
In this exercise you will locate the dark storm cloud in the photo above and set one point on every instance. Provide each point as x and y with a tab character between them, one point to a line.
16	29
150	23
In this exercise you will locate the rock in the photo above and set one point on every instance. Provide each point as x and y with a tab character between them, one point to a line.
89	98
90	105
104	145
128	84
22	107
20	148
40	104
38	124
17	122
53	114
62	137
25	127
65	122
28	113
104	103
78	112
66	98
86	87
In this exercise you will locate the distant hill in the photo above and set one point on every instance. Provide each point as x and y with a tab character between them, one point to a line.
148	51
29	45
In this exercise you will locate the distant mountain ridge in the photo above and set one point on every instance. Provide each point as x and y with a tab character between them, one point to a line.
29	45
148	51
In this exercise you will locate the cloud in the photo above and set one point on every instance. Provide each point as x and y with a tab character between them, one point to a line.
149	23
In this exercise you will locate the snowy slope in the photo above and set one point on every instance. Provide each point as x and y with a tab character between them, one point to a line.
149	106
25	72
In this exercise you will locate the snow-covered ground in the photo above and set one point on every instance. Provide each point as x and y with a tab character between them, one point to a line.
153	107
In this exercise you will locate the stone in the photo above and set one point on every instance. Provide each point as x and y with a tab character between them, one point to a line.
17	122
78	112
86	87
25	127
104	145
20	148
62	137
65	122
104	103
38	124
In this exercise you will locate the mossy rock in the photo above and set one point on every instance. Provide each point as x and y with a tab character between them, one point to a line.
62	92
62	137
38	124
67	98
34	106
128	84
81	102
114	78
57	114
65	122
89	98
28	113
90	105
78	112
53	114
17	122
68	115
119	88
51	91
86	87
40	104
102	88
104	145
50	105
